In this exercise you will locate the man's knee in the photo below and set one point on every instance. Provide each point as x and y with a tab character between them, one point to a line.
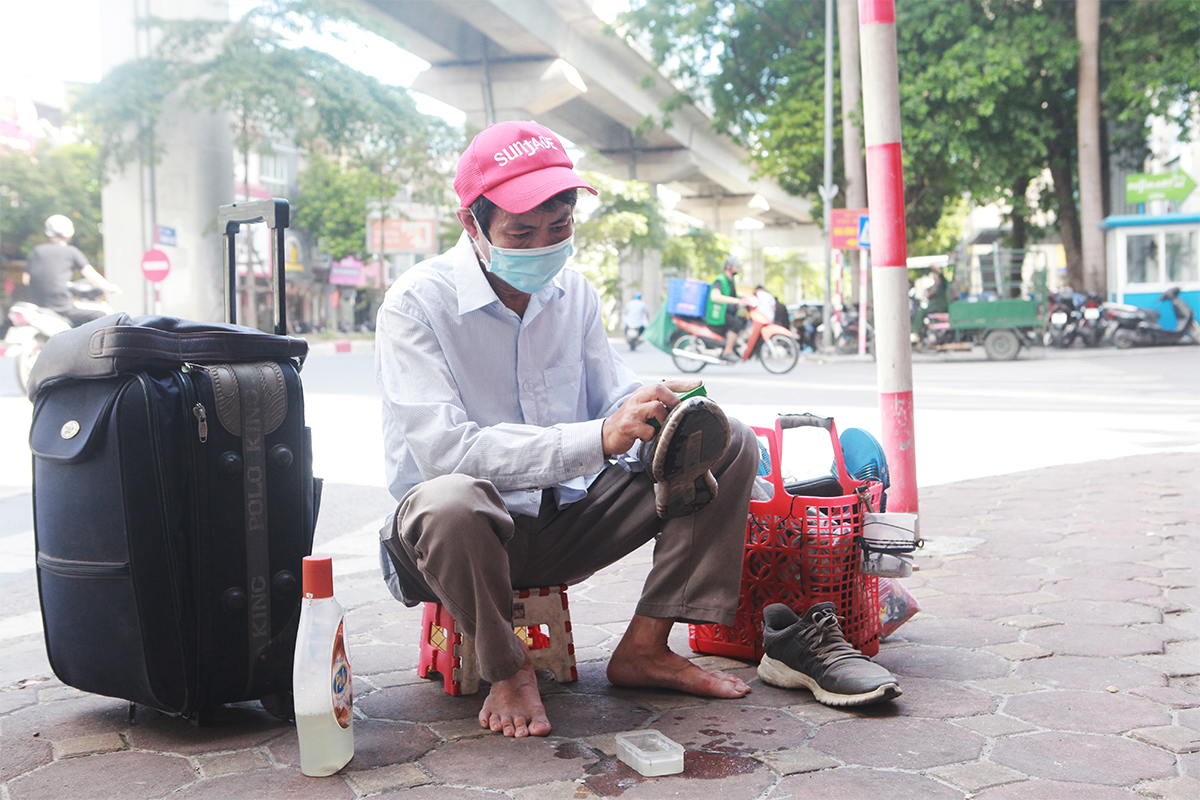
452	507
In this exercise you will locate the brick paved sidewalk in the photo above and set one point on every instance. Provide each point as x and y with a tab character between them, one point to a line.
1057	657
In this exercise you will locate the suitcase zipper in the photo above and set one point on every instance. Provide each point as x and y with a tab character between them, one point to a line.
83	569
201	421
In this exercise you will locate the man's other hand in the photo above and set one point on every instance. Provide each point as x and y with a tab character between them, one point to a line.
631	422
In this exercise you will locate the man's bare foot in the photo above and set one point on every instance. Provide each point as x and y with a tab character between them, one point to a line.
643	661
514	706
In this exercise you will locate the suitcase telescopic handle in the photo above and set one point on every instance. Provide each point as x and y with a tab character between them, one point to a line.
787	421
275	212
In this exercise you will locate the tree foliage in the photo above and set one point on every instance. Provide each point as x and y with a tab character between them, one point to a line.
62	179
987	90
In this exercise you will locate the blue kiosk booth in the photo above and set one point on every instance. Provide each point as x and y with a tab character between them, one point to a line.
1148	254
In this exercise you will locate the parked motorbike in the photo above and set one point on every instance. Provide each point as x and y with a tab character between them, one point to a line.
31	325
805	320
1064	320
845	332
776	347
1131	326
1092	323
633	337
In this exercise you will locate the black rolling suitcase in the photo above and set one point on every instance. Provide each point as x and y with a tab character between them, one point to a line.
174	500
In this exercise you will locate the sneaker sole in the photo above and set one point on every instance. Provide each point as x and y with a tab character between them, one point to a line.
695	440
779	674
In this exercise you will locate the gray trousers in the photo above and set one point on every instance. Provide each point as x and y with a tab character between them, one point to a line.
454	535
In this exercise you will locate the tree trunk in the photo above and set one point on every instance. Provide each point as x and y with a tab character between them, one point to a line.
1068	215
1019	217
1091	200
854	165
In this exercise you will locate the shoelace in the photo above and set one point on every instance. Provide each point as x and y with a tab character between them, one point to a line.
828	643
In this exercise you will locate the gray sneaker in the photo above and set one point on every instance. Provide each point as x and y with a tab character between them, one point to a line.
810	652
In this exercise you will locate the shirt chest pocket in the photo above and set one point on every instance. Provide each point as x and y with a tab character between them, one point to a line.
565	395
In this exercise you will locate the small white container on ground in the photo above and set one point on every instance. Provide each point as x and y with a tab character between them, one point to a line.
650	753
321	676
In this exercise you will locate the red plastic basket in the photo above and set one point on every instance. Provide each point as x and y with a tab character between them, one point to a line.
800	551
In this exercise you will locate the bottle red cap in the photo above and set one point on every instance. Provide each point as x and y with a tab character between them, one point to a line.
318	577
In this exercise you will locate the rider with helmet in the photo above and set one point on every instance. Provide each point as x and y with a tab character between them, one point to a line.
50	267
720	318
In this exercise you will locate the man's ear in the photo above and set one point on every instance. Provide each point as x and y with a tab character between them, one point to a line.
467	220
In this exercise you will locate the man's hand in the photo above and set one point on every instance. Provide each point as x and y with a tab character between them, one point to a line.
631	421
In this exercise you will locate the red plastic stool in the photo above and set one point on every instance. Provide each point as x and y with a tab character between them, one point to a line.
448	651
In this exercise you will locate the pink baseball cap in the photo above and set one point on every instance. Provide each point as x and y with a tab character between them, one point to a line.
516	165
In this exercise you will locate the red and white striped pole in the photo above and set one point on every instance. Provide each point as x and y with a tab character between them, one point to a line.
889	251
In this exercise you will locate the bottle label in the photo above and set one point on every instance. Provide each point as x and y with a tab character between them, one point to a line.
343	693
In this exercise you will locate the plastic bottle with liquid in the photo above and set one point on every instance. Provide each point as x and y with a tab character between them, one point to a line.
321	682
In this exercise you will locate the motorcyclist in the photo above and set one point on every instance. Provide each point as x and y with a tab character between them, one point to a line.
720	318
50	267
636	315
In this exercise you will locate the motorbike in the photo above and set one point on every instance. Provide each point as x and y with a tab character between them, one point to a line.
845	333
1064	321
31	325
1131	326
805	320
1092	323
776	347
633	337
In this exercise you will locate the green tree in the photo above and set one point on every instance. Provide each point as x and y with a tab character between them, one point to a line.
332	205
987	91
52	180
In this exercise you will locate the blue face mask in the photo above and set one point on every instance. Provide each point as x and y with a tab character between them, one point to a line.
529	270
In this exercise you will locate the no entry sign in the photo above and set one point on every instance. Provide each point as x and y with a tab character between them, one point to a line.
155	265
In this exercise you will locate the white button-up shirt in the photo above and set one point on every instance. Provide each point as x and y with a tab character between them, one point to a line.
470	387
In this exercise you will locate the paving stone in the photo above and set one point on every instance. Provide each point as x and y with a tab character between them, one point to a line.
1189	717
21	754
960	606
66	719
796	760
1009	686
1018	651
276	784
1100	612
579	715
1175	738
1168	696
377	743
17	698
814	713
950	663
853	783
437	792
392	776
973	565
88	745
1055	790
1078	672
574	790
977	775
933	698
1036	599
704	775
1027	621
1183	788
1087	712
1166	605
232	763
1101	589
972	633
1093	641
499	762
1167	581
234	728
899	742
736	730
1083	758
113	776
1001	585
994	725
424	702
1118	570
1171	666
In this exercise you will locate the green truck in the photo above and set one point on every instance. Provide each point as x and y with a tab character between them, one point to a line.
1003	326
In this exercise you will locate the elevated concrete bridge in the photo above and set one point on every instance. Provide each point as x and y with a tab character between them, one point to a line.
554	61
